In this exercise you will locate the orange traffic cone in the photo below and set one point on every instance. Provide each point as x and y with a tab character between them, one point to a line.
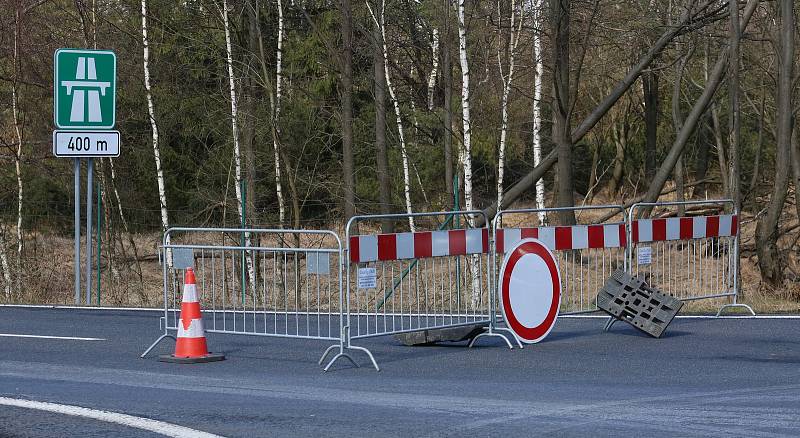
191	344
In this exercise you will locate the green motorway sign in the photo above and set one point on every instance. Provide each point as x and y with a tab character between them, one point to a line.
85	88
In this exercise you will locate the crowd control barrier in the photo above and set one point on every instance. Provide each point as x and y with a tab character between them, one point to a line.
411	281
286	283
689	257
441	274
587	253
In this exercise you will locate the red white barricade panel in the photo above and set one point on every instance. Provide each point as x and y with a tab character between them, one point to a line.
565	238
403	246
684	228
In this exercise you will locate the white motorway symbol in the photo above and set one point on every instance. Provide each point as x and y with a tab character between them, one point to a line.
86	143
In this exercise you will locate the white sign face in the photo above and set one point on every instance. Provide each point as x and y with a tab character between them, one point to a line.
644	255
367	278
530	290
86	144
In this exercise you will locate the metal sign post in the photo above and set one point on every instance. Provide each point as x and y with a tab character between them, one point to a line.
77	230
84	110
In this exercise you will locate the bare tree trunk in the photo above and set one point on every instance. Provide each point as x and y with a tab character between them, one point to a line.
538	57
620	137
701	165
466	149
276	112
560	10
162	193
513	40
275	97
720	142
795	154
379	23
447	83
237	158
122	218
769	259
677	121
347	109
434	68
592	183
4	264
18	151
687	22
650	93
733	122
384	189
759	144
712	84
717	129
247	115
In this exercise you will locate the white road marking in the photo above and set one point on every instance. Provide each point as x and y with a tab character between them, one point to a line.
67	338
159	427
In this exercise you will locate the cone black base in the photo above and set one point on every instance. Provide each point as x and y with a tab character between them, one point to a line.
210	357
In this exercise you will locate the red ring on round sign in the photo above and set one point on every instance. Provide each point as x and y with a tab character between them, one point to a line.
530	247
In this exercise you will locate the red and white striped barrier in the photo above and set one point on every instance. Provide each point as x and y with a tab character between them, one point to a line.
565	238
683	228
403	246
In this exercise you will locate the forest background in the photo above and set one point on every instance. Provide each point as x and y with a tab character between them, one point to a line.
302	113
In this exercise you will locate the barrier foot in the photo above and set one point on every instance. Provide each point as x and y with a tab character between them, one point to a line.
610	323
327	351
734	305
369	353
335	358
498	335
161	338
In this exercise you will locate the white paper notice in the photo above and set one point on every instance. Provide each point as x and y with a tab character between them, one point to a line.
367	278
644	255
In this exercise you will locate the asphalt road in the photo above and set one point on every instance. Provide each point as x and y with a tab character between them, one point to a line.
709	377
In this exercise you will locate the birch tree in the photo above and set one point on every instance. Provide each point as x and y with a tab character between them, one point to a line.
538	9
18	151
465	152
513	41
380	24
4	264
237	158
276	111
275	95
434	67
162	194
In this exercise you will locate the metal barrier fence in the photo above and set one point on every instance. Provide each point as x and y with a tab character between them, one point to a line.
587	253
690	257
305	284
287	284
417	280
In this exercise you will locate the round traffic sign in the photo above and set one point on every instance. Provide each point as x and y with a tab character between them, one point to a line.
530	290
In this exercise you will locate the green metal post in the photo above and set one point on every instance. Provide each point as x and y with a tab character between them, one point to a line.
458	225
99	247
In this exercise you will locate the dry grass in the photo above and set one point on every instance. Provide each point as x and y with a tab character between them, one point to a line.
48	266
